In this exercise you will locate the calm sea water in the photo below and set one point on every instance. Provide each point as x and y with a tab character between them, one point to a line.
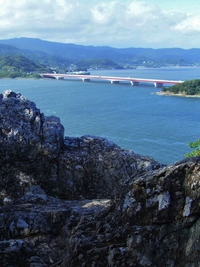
130	116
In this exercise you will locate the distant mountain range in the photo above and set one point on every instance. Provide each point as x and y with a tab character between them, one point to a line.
62	55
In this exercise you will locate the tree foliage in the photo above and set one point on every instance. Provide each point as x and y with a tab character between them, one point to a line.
196	149
191	87
14	66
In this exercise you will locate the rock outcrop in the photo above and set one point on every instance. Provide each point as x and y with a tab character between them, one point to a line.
86	202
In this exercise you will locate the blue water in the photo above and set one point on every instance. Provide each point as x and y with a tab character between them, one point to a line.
130	116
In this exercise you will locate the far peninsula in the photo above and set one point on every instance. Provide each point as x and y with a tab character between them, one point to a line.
190	88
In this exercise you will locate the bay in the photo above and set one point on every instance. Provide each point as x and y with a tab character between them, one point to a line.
133	117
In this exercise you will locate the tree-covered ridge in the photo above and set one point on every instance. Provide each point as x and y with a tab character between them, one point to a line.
191	87
67	53
99	63
18	66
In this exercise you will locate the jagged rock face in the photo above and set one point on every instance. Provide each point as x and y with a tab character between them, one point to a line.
155	223
29	142
97	168
24	131
70	202
161	210
34	151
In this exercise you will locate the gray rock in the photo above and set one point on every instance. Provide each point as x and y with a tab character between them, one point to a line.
86	202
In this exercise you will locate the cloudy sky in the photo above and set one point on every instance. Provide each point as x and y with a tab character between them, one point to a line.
116	23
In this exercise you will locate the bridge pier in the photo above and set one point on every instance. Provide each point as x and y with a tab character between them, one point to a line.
158	84
134	83
85	79
114	81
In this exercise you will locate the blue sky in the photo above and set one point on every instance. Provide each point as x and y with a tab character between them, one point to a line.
116	23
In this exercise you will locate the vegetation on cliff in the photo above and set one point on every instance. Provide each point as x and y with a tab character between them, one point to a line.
191	87
195	149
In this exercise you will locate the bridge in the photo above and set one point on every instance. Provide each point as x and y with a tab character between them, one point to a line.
132	81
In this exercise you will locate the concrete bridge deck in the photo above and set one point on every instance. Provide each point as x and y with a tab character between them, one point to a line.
132	81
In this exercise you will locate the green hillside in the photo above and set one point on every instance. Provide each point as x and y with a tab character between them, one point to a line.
14	66
191	87
99	63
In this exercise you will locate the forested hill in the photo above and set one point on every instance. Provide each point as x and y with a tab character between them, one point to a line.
122	56
191	87
18	66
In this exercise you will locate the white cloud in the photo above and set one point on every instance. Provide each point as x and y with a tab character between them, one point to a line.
102	13
99	22
191	24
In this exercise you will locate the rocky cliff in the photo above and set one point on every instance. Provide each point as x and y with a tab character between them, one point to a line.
86	202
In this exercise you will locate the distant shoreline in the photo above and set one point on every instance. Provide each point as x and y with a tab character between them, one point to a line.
172	94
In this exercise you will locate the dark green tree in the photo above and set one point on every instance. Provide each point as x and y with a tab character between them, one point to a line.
196	149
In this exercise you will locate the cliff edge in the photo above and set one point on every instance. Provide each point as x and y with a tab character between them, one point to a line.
86	202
